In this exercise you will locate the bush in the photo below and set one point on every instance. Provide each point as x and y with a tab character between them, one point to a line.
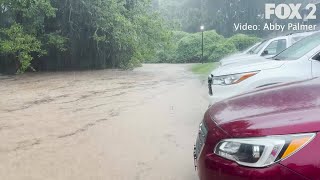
178	35
242	41
221	50
167	54
190	47
187	48
211	36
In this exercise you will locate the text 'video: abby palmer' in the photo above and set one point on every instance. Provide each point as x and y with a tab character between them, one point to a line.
274	27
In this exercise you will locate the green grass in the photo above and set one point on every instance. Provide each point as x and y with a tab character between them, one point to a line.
203	69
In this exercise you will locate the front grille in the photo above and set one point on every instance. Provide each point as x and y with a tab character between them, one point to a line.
202	136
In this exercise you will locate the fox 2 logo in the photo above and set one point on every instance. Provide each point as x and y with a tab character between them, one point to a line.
290	11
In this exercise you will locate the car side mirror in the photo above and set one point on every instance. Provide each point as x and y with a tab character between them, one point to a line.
265	52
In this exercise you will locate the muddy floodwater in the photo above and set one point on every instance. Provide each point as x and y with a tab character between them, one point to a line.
101	125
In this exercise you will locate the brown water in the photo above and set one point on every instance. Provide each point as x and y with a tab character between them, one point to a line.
108	124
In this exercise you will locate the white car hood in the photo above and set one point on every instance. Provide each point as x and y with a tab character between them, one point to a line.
242	58
232	56
238	68
235	57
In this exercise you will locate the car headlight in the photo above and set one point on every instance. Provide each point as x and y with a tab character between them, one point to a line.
232	79
263	151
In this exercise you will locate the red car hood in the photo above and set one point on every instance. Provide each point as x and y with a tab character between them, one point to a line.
285	109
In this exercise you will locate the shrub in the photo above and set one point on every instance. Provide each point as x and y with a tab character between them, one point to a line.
190	47
187	48
167	54
211	36
221	50
178	35
242	41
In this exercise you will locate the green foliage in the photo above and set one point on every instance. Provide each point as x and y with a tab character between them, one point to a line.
220	50
167	52
56	40
152	36
178	35
30	14
31	8
23	32
212	36
189	48
83	34
73	34
21	45
203	69
242	41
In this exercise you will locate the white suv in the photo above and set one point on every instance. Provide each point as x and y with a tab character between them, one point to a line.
298	62
267	49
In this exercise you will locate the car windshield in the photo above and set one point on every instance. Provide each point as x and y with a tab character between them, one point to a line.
300	49
251	48
257	49
297	38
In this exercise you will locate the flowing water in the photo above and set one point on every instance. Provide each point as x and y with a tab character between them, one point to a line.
101	125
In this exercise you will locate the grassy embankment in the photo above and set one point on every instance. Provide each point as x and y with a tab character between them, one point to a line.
203	69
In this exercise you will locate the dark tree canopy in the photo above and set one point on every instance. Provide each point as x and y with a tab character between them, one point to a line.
77	34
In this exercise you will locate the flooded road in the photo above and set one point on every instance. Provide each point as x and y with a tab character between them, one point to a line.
101	125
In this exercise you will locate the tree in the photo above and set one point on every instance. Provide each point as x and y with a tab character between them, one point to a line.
73	34
22	30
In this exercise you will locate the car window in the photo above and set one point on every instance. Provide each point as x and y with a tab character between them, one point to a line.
251	48
317	57
258	48
300	49
277	46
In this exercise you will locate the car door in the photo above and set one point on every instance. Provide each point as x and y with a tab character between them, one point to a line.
275	47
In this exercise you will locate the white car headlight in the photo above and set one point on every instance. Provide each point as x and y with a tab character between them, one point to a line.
263	151
232	79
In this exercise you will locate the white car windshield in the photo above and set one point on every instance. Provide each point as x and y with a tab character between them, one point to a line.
251	48
257	49
300	49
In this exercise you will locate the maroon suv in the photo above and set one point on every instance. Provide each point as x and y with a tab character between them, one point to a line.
267	134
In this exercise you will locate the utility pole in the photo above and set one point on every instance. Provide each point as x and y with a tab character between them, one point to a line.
202	29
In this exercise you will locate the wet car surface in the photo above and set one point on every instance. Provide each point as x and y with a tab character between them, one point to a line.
282	111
